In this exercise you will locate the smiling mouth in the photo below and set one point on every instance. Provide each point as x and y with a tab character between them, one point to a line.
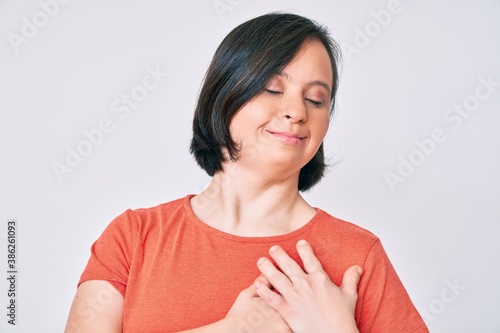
287	137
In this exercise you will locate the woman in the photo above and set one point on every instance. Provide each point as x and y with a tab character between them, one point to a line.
249	254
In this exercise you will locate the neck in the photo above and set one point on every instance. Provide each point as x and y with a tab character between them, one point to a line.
245	204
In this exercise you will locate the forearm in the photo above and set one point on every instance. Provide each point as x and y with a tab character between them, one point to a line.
219	326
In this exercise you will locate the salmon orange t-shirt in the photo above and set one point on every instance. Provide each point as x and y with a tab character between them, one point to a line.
177	273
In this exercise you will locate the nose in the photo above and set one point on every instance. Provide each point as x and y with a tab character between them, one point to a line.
294	109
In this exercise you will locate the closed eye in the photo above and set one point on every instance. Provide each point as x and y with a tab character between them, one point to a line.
273	92
315	103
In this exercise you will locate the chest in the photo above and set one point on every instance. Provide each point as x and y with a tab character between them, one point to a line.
173	288
180	283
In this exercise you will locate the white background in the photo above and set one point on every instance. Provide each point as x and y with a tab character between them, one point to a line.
439	224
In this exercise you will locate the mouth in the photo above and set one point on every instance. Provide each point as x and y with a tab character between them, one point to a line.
287	137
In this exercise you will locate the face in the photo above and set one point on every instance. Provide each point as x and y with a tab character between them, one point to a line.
284	125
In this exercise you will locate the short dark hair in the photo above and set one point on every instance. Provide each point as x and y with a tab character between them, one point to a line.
246	59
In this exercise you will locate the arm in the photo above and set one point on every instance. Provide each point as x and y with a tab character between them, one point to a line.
98	307
386	305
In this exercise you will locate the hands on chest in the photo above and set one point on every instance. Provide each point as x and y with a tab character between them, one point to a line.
292	299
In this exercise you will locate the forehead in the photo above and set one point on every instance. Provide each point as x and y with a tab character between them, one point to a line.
311	63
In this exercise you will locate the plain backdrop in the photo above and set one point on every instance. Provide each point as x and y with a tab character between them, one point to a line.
414	143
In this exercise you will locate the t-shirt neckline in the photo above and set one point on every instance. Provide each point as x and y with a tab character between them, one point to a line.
249	239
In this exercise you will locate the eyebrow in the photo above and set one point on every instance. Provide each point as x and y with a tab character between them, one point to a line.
315	82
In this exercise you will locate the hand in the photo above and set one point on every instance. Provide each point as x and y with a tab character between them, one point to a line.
250	314
308	301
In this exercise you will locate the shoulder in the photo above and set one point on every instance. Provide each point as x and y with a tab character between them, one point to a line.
159	211
344	241
344	230
339	244
140	220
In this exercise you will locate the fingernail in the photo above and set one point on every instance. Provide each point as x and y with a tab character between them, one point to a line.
257	284
359	270
302	242
260	261
273	248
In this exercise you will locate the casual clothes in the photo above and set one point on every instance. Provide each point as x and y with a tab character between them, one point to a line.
177	273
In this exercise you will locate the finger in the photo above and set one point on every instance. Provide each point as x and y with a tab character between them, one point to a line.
260	280
351	279
287	265
271	298
249	292
277	279
310	261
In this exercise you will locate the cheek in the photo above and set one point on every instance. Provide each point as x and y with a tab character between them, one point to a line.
238	122
246	122
321	126
250	116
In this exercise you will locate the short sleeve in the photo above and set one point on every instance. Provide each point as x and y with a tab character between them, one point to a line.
111	254
383	303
